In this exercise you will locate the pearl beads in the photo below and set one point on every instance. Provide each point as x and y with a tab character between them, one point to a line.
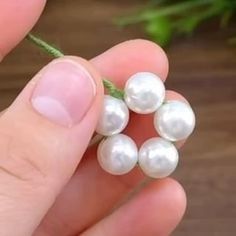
158	158
114	116
144	93
117	154
175	120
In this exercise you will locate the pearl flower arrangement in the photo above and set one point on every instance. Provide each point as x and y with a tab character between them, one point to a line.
144	93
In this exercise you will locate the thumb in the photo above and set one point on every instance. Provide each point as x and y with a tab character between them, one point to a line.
43	136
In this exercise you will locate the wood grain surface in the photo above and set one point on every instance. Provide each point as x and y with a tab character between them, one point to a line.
203	68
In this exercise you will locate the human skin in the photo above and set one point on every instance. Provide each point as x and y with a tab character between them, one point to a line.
50	182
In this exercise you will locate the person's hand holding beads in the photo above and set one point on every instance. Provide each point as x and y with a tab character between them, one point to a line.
50	181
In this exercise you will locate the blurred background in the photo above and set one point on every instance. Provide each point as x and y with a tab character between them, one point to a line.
202	67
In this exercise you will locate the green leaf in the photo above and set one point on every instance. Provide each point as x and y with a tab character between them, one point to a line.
160	30
187	25
165	18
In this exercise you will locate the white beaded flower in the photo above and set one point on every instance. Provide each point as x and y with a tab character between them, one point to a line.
144	93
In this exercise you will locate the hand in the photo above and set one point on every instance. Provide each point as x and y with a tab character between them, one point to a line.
45	187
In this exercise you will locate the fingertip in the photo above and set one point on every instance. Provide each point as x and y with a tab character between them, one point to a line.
159	55
150	51
169	203
175	196
16	20
130	57
26	93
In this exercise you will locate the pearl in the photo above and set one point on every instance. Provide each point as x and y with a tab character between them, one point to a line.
117	154
114	116
174	120
158	158
144	93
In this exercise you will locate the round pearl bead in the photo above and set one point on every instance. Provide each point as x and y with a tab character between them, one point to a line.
158	158
117	154
114	116
174	120
144	93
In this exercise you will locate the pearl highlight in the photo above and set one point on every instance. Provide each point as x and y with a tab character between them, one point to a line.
114	116
144	92
174	120
117	154
158	158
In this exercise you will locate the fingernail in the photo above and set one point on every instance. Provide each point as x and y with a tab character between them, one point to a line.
64	92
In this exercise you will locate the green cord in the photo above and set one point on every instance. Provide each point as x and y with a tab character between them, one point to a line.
113	91
45	46
51	50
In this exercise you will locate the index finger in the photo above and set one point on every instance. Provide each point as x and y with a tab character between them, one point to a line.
126	59
16	20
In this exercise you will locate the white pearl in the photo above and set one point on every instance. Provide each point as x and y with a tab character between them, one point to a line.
114	116
117	154
144	93
174	120
158	158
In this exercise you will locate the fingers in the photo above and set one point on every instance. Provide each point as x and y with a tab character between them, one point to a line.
45	133
156	210
84	202
16	20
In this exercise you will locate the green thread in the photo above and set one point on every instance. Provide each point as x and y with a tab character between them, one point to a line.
51	50
113	91
45	46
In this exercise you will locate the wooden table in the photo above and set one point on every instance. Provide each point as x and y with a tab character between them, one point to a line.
202	67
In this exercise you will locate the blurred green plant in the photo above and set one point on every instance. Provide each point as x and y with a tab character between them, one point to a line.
164	19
